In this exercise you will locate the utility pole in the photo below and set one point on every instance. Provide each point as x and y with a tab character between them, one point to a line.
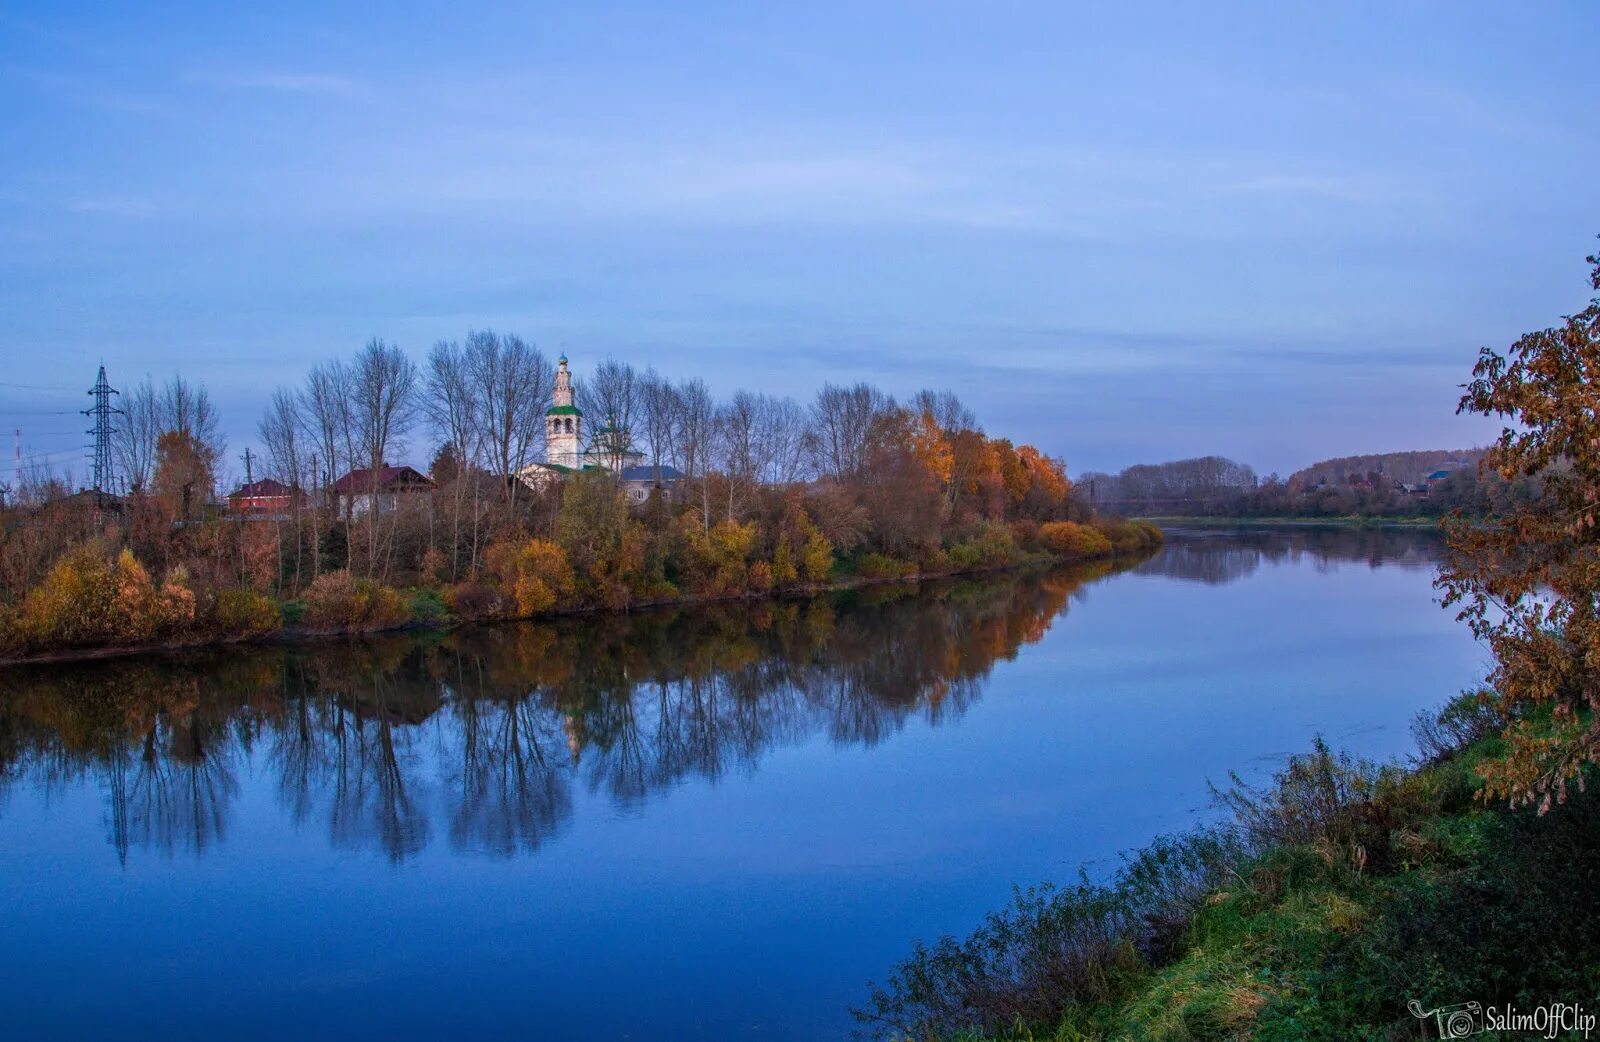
102	412
249	478
18	433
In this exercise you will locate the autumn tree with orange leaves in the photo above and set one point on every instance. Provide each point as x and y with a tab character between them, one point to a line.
1528	583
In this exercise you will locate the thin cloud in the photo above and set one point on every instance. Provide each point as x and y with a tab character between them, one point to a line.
137	209
287	82
1342	188
78	90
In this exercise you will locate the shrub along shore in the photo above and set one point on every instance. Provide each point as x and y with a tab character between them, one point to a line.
94	604
1323	907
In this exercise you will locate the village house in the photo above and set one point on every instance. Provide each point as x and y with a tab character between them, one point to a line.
266	499
386	489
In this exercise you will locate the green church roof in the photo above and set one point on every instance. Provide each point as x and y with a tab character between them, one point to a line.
563	410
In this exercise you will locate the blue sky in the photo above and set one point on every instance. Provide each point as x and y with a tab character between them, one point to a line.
1124	232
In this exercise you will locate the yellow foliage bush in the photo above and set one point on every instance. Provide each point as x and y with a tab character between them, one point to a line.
178	597
1073	540
816	556
761	577
783	569
244	613
719	559
339	601
881	566
87	600
1126	536
542	576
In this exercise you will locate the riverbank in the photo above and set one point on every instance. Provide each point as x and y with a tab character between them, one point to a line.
1326	905
348	606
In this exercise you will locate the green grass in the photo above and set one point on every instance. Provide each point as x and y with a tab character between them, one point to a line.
1416	890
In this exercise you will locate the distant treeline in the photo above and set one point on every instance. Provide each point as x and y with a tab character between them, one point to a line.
1428	483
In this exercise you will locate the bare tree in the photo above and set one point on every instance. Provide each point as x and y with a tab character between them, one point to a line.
511	380
659	406
695	437
325	412
137	435
281	432
743	449
383	400
186	409
456	412
611	395
383	393
946	410
785	431
762	440
842	420
451	402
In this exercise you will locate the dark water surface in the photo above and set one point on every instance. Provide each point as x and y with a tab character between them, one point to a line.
710	824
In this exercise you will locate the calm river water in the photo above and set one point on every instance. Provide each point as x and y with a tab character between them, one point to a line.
710	824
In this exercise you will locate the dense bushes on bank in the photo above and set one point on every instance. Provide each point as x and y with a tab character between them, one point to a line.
599	554
91	598
339	602
1324	904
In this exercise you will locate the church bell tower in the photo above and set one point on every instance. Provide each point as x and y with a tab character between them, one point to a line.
563	423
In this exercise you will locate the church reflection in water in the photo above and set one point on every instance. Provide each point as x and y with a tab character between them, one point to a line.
479	738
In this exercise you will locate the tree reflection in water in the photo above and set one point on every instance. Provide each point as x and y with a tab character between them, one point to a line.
1218	556
481	735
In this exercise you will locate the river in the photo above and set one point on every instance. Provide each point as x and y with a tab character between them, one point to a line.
714	823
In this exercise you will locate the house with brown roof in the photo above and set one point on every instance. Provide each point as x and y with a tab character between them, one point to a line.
267	498
385	489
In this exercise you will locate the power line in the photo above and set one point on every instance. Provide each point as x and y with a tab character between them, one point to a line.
73	453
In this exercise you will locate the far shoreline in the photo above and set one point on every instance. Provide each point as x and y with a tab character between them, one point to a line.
296	636
1345	521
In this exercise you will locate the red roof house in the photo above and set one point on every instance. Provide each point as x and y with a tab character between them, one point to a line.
265	498
385	485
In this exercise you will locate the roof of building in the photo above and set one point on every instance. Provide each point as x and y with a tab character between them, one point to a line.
264	487
649	473
563	410
360	480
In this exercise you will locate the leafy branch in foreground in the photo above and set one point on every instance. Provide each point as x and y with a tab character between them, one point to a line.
1529	582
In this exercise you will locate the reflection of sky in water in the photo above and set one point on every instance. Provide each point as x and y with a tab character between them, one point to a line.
697	825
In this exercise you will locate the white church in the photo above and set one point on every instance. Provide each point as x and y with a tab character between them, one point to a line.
610	450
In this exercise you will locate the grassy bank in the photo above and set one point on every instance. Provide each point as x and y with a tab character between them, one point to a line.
1325	904
91	607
